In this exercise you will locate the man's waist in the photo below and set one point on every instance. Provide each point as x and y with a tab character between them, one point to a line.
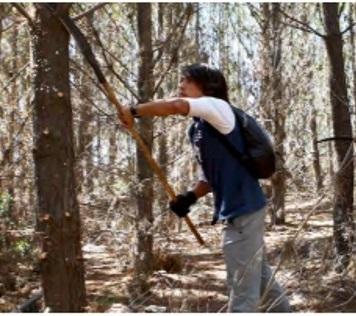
230	215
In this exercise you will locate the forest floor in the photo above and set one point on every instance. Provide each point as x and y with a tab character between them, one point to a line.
191	278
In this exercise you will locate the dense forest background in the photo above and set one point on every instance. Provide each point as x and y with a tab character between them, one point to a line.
84	222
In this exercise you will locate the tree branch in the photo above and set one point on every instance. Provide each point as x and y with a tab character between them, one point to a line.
335	138
83	95
238	36
8	150
175	50
109	65
348	28
175	28
341	9
254	13
120	30
301	28
25	14
305	26
78	67
14	77
91	10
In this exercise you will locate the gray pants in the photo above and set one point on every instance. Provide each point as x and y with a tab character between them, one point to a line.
248	272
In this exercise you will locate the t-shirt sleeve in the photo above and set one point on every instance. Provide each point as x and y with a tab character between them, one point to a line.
216	112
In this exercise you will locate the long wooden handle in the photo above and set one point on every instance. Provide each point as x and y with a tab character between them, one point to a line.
155	167
91	59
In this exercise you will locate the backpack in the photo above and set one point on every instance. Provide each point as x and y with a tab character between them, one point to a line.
259	158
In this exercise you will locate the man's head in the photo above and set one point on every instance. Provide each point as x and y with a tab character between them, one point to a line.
200	80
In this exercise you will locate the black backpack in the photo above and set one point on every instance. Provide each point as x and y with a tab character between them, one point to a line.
259	158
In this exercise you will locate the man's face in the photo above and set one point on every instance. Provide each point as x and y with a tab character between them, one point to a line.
188	88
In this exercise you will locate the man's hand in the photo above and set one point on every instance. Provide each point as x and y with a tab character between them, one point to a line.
180	206
126	117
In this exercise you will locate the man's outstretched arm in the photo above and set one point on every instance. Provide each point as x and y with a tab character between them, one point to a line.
163	107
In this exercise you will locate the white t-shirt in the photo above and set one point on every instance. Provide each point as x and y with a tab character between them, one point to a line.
216	112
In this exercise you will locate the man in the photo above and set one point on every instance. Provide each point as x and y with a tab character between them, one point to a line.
239	200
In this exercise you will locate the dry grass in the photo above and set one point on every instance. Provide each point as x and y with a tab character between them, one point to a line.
190	278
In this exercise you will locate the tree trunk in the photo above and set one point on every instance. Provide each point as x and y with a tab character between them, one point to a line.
85	138
84	152
97	160
331	156
58	220
144	199
313	122
197	32
162	138
353	55
112	152
316	155
273	108
2	14
343	188
163	160
12	101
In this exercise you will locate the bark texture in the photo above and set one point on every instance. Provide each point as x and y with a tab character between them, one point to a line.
144	198
273	109
316	155
58	220
343	186
85	129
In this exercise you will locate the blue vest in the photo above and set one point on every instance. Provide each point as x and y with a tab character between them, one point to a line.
236	191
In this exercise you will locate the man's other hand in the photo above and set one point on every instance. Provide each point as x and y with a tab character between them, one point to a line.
180	206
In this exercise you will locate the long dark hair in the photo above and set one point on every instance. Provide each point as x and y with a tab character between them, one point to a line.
210	80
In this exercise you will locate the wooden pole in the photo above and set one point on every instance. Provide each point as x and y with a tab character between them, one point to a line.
90	57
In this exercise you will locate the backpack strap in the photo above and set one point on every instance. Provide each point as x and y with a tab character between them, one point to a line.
243	158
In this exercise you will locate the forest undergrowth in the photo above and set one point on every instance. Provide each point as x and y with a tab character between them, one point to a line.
191	278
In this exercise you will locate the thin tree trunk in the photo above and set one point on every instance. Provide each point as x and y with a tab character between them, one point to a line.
239	62
343	189
162	140
272	108
316	155
58	220
97	148
352	13
331	156
12	99
112	153
31	204
2	14
144	199
84	153
85	133
279	179
197	32
163	160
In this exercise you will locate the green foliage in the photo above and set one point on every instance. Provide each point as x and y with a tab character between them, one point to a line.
22	247
5	202
121	186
